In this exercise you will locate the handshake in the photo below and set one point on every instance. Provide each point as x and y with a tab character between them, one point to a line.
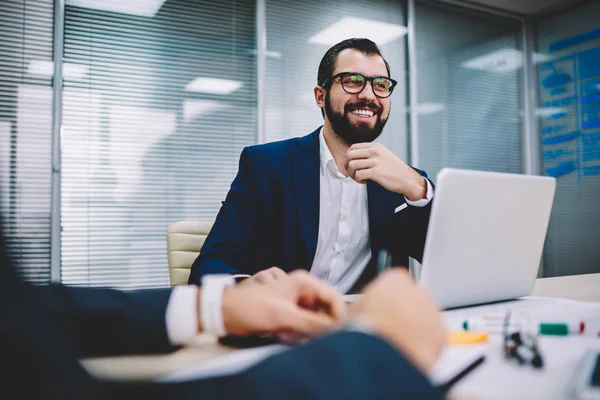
299	306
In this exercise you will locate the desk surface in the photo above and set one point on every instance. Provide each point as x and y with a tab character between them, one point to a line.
574	287
205	347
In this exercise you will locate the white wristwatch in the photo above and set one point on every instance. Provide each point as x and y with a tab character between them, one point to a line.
211	302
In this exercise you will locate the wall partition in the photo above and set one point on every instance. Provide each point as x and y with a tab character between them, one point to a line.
160	96
159	99
569	121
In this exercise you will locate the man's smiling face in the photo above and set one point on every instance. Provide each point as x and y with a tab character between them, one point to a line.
360	117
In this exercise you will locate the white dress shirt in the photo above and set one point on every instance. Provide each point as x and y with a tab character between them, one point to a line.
343	246
182	315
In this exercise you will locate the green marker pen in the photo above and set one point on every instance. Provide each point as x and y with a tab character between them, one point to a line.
560	328
544	328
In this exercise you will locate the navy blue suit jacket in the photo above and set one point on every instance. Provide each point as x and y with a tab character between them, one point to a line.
45	330
270	216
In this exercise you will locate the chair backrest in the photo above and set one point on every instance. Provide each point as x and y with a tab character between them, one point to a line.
184	240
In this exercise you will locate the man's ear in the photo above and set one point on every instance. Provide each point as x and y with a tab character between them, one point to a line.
320	96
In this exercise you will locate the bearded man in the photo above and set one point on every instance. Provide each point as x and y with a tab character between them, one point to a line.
329	201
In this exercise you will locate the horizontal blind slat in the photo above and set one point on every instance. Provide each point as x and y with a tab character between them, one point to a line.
139	152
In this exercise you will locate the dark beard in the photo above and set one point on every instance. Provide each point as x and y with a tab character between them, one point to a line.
351	134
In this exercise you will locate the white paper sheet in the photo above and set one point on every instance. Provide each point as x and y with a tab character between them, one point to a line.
227	364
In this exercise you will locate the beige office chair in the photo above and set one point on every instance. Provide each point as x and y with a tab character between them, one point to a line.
184	240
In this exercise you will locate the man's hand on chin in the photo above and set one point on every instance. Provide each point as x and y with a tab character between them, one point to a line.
374	161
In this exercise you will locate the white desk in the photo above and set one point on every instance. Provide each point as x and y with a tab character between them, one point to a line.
501	379
578	287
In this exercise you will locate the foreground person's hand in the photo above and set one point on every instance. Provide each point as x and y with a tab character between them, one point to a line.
298	306
404	314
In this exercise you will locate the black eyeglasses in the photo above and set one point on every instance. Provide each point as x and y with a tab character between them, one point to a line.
354	83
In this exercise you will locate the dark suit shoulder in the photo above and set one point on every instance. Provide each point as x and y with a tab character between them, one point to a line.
273	147
274	152
284	144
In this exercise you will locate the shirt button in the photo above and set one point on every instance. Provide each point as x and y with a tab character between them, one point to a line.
339	252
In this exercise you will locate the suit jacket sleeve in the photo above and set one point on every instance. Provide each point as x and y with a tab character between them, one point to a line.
229	245
347	365
418	221
105	321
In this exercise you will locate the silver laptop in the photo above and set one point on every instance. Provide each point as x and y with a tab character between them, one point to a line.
486	236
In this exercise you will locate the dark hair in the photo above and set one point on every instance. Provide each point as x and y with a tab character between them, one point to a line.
327	65
365	46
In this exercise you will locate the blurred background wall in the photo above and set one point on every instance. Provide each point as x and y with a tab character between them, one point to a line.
118	118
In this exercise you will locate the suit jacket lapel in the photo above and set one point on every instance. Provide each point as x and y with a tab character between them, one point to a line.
377	214
381	210
305	170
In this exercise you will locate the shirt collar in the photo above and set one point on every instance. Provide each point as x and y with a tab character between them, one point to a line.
324	153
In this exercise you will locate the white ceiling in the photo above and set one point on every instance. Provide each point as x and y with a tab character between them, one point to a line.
523	6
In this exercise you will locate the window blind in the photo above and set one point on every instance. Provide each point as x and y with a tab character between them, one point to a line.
569	122
159	103
26	68
468	68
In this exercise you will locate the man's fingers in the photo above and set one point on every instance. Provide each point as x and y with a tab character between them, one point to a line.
320	296
363	175
400	273
263	277
365	145
270	275
358	154
356	165
304	321
277	273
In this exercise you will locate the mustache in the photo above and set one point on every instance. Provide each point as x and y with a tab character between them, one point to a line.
372	106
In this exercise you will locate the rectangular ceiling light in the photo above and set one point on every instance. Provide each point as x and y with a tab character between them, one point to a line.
45	68
503	60
430	108
194	108
271	54
349	27
143	8
213	86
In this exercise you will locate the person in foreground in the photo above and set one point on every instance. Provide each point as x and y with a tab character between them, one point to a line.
383	349
328	201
